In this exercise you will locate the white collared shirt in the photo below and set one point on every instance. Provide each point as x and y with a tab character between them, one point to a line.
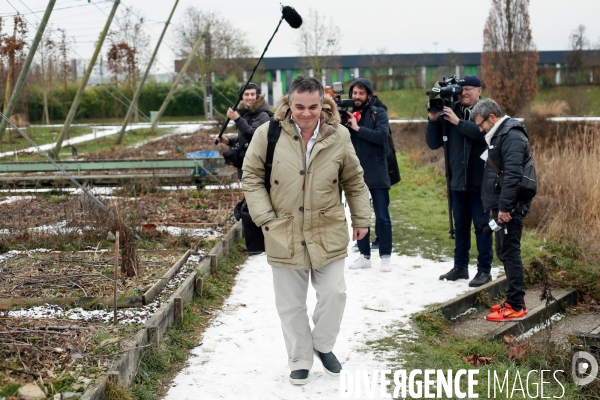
311	141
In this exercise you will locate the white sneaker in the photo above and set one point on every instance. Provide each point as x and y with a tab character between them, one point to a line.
385	265
360	262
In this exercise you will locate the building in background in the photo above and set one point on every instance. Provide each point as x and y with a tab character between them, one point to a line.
399	71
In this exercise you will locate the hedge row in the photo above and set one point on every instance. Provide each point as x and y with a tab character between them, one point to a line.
100	101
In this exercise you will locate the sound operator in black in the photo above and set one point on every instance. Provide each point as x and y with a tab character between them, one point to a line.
465	146
252	112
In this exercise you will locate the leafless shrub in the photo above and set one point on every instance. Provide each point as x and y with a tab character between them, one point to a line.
550	109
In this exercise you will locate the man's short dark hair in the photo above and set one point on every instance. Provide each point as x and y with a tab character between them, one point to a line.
486	107
302	84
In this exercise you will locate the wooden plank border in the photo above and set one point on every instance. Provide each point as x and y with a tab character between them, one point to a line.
151	293
125	367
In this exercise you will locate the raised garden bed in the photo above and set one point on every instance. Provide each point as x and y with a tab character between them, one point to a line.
84	279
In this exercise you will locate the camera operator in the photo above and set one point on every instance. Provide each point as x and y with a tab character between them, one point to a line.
369	134
508	163
465	144
252	112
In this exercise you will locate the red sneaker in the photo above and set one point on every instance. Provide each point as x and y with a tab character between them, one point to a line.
506	313
502	305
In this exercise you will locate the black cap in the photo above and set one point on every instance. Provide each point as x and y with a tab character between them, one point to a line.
470	80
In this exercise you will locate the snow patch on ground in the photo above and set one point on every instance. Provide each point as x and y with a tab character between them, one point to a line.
556	317
12	253
192	232
242	353
129	316
12	199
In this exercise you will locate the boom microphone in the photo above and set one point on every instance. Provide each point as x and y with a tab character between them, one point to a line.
291	16
294	20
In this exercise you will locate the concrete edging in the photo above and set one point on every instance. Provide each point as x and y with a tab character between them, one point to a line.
462	303
151	333
535	316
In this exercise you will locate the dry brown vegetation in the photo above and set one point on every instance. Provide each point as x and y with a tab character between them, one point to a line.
66	222
567	155
567	159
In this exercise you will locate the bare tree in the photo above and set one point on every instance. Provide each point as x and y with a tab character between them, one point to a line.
46	52
128	50
379	64
225	50
13	48
65	68
509	57
129	47
575	59
318	43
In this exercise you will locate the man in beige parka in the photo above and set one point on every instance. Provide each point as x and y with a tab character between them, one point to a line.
303	219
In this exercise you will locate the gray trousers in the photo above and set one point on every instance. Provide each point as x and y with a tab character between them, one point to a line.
291	286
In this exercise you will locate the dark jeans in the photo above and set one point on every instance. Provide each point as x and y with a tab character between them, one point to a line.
466	208
383	222
508	250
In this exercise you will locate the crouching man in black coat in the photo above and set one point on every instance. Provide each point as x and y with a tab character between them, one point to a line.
508	163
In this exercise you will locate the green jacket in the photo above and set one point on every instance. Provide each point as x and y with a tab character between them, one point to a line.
302	218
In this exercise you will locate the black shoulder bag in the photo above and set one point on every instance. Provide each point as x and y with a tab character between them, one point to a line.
255	240
392	161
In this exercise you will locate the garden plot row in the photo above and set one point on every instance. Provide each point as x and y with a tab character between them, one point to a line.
74	347
84	279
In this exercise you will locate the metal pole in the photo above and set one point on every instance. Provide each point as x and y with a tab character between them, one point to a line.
25	70
174	86
84	80
116	277
447	166
138	92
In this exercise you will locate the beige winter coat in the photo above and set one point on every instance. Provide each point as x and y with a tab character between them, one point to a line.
303	219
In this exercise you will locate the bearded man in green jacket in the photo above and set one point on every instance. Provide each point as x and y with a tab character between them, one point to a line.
303	219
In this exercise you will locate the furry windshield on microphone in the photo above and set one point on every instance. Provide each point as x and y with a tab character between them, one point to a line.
291	16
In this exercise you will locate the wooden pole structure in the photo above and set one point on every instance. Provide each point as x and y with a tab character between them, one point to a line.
174	86
12	103
116	275
133	106
84	81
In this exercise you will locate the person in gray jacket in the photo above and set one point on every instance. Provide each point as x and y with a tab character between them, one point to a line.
465	145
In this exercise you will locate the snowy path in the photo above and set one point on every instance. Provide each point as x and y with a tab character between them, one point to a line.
242	354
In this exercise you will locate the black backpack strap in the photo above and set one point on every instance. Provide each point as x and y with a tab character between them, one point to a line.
374	113
272	138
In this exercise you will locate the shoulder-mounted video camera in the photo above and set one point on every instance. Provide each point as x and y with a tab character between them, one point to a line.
335	92
446	89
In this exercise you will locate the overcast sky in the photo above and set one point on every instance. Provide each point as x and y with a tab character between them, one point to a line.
367	27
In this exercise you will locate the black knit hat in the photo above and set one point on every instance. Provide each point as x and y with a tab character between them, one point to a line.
470	80
250	85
